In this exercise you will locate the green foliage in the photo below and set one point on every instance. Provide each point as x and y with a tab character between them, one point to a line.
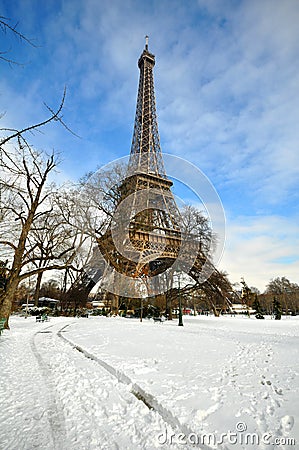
277	309
257	306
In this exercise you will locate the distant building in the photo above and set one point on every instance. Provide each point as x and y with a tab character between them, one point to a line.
48	302
240	308
96	304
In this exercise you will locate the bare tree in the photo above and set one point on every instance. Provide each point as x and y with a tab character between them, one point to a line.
101	191
216	291
52	240
34	238
286	292
7	27
195	225
88	207
28	244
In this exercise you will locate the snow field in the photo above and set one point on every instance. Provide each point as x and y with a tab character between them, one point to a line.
76	403
211	376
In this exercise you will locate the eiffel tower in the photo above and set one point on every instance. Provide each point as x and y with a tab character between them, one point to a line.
144	238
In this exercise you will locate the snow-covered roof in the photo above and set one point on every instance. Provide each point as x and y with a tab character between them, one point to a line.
95	304
48	299
240	307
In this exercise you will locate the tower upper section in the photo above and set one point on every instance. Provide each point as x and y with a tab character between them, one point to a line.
146	154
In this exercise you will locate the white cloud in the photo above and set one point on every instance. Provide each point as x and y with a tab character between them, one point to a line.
261	248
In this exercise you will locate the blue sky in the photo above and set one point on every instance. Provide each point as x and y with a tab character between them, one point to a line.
227	91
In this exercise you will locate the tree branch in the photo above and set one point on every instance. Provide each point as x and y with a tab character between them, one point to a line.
54	116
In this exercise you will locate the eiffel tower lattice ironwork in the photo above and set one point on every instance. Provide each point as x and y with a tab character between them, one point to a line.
144	238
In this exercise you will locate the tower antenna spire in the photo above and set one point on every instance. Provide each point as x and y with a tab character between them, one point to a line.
146	156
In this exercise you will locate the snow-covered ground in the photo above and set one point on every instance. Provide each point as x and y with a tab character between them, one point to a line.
115	383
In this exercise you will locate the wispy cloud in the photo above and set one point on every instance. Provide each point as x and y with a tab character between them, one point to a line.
261	248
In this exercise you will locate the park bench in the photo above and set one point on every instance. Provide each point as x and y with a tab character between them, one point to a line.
2	322
43	318
158	319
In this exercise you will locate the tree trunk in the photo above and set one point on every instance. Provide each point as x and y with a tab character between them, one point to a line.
37	288
215	311
169	305
6	299
5	308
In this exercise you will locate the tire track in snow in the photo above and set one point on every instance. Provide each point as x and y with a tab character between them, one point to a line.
54	412
149	400
99	413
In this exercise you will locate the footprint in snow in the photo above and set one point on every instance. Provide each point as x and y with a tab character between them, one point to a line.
270	410
286	423
278	391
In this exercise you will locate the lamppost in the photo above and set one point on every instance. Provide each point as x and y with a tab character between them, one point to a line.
180	324
141	308
27	299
